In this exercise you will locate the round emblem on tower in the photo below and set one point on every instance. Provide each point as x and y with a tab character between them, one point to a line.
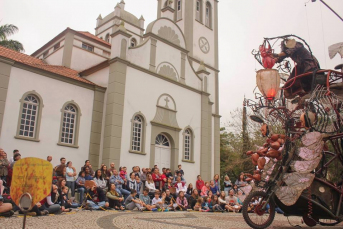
204	45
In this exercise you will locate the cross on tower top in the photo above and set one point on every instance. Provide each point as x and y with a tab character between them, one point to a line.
167	101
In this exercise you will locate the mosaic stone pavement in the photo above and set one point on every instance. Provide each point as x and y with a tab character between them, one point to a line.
137	220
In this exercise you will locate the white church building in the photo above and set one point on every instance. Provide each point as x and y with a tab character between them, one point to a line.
129	94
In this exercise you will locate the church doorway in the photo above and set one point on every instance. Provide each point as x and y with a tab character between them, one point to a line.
162	151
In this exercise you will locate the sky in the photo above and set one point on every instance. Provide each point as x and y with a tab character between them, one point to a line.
242	26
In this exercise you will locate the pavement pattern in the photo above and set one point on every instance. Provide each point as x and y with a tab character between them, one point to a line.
152	220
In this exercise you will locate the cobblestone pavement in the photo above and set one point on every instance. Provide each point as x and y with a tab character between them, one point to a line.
137	220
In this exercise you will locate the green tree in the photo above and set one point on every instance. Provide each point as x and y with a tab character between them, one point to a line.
6	31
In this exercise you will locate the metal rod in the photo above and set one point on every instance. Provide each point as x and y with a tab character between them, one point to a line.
24	221
331	10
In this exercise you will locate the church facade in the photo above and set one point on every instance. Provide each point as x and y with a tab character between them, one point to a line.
126	94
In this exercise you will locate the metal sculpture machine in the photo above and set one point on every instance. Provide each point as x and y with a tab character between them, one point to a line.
292	167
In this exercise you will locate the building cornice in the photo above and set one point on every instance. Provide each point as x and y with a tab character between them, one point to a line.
150	34
114	17
206	65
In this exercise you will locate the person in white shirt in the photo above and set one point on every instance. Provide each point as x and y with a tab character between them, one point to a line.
157	201
180	186
150	184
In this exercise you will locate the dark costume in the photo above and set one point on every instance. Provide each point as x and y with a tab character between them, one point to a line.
304	63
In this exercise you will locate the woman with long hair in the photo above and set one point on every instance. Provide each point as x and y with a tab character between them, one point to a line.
100	181
193	198
150	184
227	184
105	173
114	199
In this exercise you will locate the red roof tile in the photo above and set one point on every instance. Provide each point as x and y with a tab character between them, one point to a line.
37	63
88	34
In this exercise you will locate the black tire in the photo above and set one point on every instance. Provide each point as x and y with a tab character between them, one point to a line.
248	217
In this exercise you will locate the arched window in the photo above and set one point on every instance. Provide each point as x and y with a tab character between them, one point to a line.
29	116
188	145
137	133
107	38
208	15
198	10
133	42
178	10
70	122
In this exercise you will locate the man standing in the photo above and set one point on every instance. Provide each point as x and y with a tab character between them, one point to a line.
12	158
111	168
60	168
49	158
88	165
4	163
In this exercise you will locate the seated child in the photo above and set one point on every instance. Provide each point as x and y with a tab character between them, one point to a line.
131	202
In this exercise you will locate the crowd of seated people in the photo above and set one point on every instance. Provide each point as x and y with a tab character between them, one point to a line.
146	189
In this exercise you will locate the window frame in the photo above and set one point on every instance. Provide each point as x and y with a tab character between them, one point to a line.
178	11
57	46
208	18
198	12
35	138
135	42
107	37
86	46
143	133
191	144
45	54
76	124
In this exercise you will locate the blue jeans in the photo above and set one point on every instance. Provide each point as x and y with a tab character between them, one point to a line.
123	192
82	193
71	186
94	205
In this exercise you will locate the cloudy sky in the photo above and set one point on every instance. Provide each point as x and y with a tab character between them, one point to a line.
242	26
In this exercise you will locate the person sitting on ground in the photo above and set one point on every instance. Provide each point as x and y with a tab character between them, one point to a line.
181	201
169	200
227	184
115	200
96	199
60	184
205	206
241	197
222	201
144	197
214	188
197	206
193	198
70	173
150	184
131	202
232	201
37	210
100	181
189	189
51	202
5	208
60	168
164	205
216	204
68	203
80	185
210	195
157	201
205	189
235	189
200	183
118	181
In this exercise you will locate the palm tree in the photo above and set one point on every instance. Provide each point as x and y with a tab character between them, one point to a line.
8	30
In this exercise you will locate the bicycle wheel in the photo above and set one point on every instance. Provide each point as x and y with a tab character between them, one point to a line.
258	218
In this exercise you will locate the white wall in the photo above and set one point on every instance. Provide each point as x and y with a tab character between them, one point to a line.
56	57
54	94
82	59
141	94
100	77
140	55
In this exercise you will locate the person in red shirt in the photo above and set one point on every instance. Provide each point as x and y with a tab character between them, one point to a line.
200	183
163	177
156	177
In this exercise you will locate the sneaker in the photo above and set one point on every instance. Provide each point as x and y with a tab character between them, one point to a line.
166	210
31	213
7	214
142	209
44	212
159	210
154	209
